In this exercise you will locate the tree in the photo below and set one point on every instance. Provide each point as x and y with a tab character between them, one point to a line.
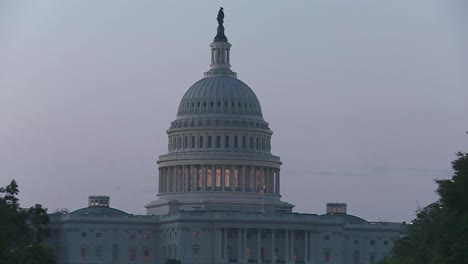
23	231
439	234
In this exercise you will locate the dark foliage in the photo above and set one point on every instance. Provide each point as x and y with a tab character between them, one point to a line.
22	231
439	234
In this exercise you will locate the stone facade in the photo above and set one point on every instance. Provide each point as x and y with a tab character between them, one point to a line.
219	196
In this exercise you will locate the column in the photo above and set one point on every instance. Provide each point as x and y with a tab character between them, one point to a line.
213	177
232	178
219	245
183	179
223	168
306	246
286	246
292	245
244	246
254	179
225	233
243	178
259	245
166	181
279	180
239	245
273	259
193	171
203	180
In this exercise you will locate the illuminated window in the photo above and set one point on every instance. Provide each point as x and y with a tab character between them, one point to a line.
208	178
227	175
218	178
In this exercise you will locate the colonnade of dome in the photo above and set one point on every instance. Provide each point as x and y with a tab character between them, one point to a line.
220	178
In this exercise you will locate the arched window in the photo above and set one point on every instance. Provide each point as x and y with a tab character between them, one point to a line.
218	178
227	176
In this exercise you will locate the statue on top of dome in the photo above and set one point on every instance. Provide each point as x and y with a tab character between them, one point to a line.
220	17
220	35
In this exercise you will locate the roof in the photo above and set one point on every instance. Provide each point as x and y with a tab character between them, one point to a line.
99	210
347	218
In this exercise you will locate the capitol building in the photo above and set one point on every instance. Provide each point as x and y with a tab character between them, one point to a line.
219	198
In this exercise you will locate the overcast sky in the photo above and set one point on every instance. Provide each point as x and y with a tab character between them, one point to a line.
368	100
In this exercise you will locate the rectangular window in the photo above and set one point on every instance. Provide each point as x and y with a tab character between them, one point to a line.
244	145
372	259
226	141
326	256
83	235
84	252
200	143
146	236
195	251
98	235
185	142
193	141
372	242
218	141
115	252
251	143
209	142
146	254
99	252
235	141
257	146
132	254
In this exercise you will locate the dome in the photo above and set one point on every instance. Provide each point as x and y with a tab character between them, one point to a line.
220	94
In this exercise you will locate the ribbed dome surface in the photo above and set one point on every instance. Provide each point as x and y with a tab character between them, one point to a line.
220	94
